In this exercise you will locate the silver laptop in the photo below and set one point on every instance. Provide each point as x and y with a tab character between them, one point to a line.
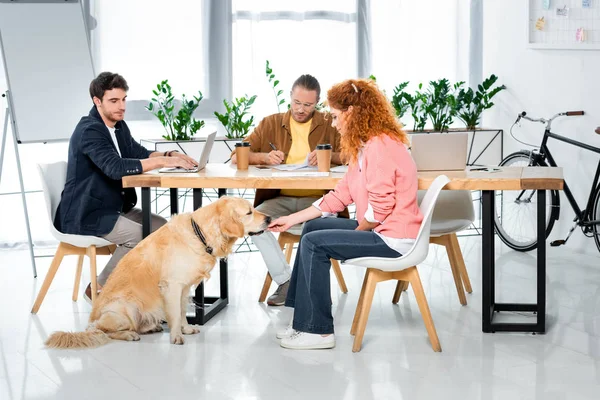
439	152
202	160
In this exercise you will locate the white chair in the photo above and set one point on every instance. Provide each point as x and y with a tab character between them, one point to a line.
403	268
453	212
53	181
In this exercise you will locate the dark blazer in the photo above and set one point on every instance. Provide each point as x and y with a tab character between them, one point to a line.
94	197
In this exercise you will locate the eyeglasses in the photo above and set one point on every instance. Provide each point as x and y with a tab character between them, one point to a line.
299	105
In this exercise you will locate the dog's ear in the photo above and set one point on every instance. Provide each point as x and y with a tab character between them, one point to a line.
231	227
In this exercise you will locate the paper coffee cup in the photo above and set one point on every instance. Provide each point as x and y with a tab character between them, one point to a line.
242	152
324	157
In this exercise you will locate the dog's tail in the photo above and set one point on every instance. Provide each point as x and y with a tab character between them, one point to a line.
77	340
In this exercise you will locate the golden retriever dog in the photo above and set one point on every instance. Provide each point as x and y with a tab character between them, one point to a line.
152	282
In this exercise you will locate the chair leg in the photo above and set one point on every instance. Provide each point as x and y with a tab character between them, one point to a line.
460	261
335	265
58	257
289	248
77	278
364	310
401	286
265	288
91	253
452	257
359	304
415	281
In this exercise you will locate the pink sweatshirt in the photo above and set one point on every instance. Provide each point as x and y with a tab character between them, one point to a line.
388	182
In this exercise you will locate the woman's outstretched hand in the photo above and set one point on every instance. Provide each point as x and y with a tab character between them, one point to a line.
281	224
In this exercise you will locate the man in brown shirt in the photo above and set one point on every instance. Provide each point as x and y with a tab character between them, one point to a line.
289	138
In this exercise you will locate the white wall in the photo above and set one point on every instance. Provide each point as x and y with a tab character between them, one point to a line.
544	82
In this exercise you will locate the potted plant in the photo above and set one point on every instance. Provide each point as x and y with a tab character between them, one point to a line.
418	110
274	81
470	104
440	103
400	100
235	119
181	125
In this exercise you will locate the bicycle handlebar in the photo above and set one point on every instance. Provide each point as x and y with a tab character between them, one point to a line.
548	122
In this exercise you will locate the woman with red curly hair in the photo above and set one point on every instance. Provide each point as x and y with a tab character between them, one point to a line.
381	181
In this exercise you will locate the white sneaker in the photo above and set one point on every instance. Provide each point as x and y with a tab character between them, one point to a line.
308	341
287	332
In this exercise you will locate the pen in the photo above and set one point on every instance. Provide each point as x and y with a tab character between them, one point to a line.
272	146
478	169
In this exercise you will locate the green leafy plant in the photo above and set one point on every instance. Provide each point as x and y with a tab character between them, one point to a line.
400	100
440	103
235	120
271	77
470	104
417	103
181	125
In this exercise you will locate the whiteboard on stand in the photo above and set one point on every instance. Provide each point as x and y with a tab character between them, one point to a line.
48	64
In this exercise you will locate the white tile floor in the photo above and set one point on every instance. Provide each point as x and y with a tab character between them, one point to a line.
236	356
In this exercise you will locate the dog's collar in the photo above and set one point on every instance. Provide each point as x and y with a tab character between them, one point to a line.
200	235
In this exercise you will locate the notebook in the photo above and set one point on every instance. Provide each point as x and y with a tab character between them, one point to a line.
202	160
439	151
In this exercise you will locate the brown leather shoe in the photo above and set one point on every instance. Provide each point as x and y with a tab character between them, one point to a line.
87	295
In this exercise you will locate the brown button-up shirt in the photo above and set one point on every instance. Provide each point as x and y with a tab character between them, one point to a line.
275	129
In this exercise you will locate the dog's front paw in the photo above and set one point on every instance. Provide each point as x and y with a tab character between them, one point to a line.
177	339
190	329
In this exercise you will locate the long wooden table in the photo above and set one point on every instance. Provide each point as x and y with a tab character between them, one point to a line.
225	176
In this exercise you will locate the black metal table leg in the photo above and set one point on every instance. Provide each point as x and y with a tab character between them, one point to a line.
146	212
174	201
208	307
489	305
541	262
488	262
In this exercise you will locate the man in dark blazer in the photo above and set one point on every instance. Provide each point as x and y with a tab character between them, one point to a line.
101	153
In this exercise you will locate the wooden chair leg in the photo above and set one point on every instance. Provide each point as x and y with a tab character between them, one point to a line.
364	310
335	265
359	304
77	278
58	257
91	253
415	281
401	286
452	257
265	288
460	261
289	248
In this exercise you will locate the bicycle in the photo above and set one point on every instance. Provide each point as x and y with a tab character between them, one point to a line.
515	214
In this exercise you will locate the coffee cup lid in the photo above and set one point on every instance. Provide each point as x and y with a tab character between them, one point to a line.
325	146
242	144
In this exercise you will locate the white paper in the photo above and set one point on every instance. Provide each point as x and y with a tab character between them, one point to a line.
300	173
340	168
294	167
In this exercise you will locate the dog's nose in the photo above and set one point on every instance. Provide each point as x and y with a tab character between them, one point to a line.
267	220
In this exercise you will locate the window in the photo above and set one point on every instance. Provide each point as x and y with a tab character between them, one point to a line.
419	41
314	37
150	41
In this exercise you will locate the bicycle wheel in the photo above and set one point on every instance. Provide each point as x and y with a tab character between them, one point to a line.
516	211
596	217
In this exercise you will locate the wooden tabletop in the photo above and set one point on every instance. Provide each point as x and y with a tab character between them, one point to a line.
226	176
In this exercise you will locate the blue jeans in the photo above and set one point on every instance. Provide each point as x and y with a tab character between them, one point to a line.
310	291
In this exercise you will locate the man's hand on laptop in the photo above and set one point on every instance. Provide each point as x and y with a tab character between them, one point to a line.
180	161
185	157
